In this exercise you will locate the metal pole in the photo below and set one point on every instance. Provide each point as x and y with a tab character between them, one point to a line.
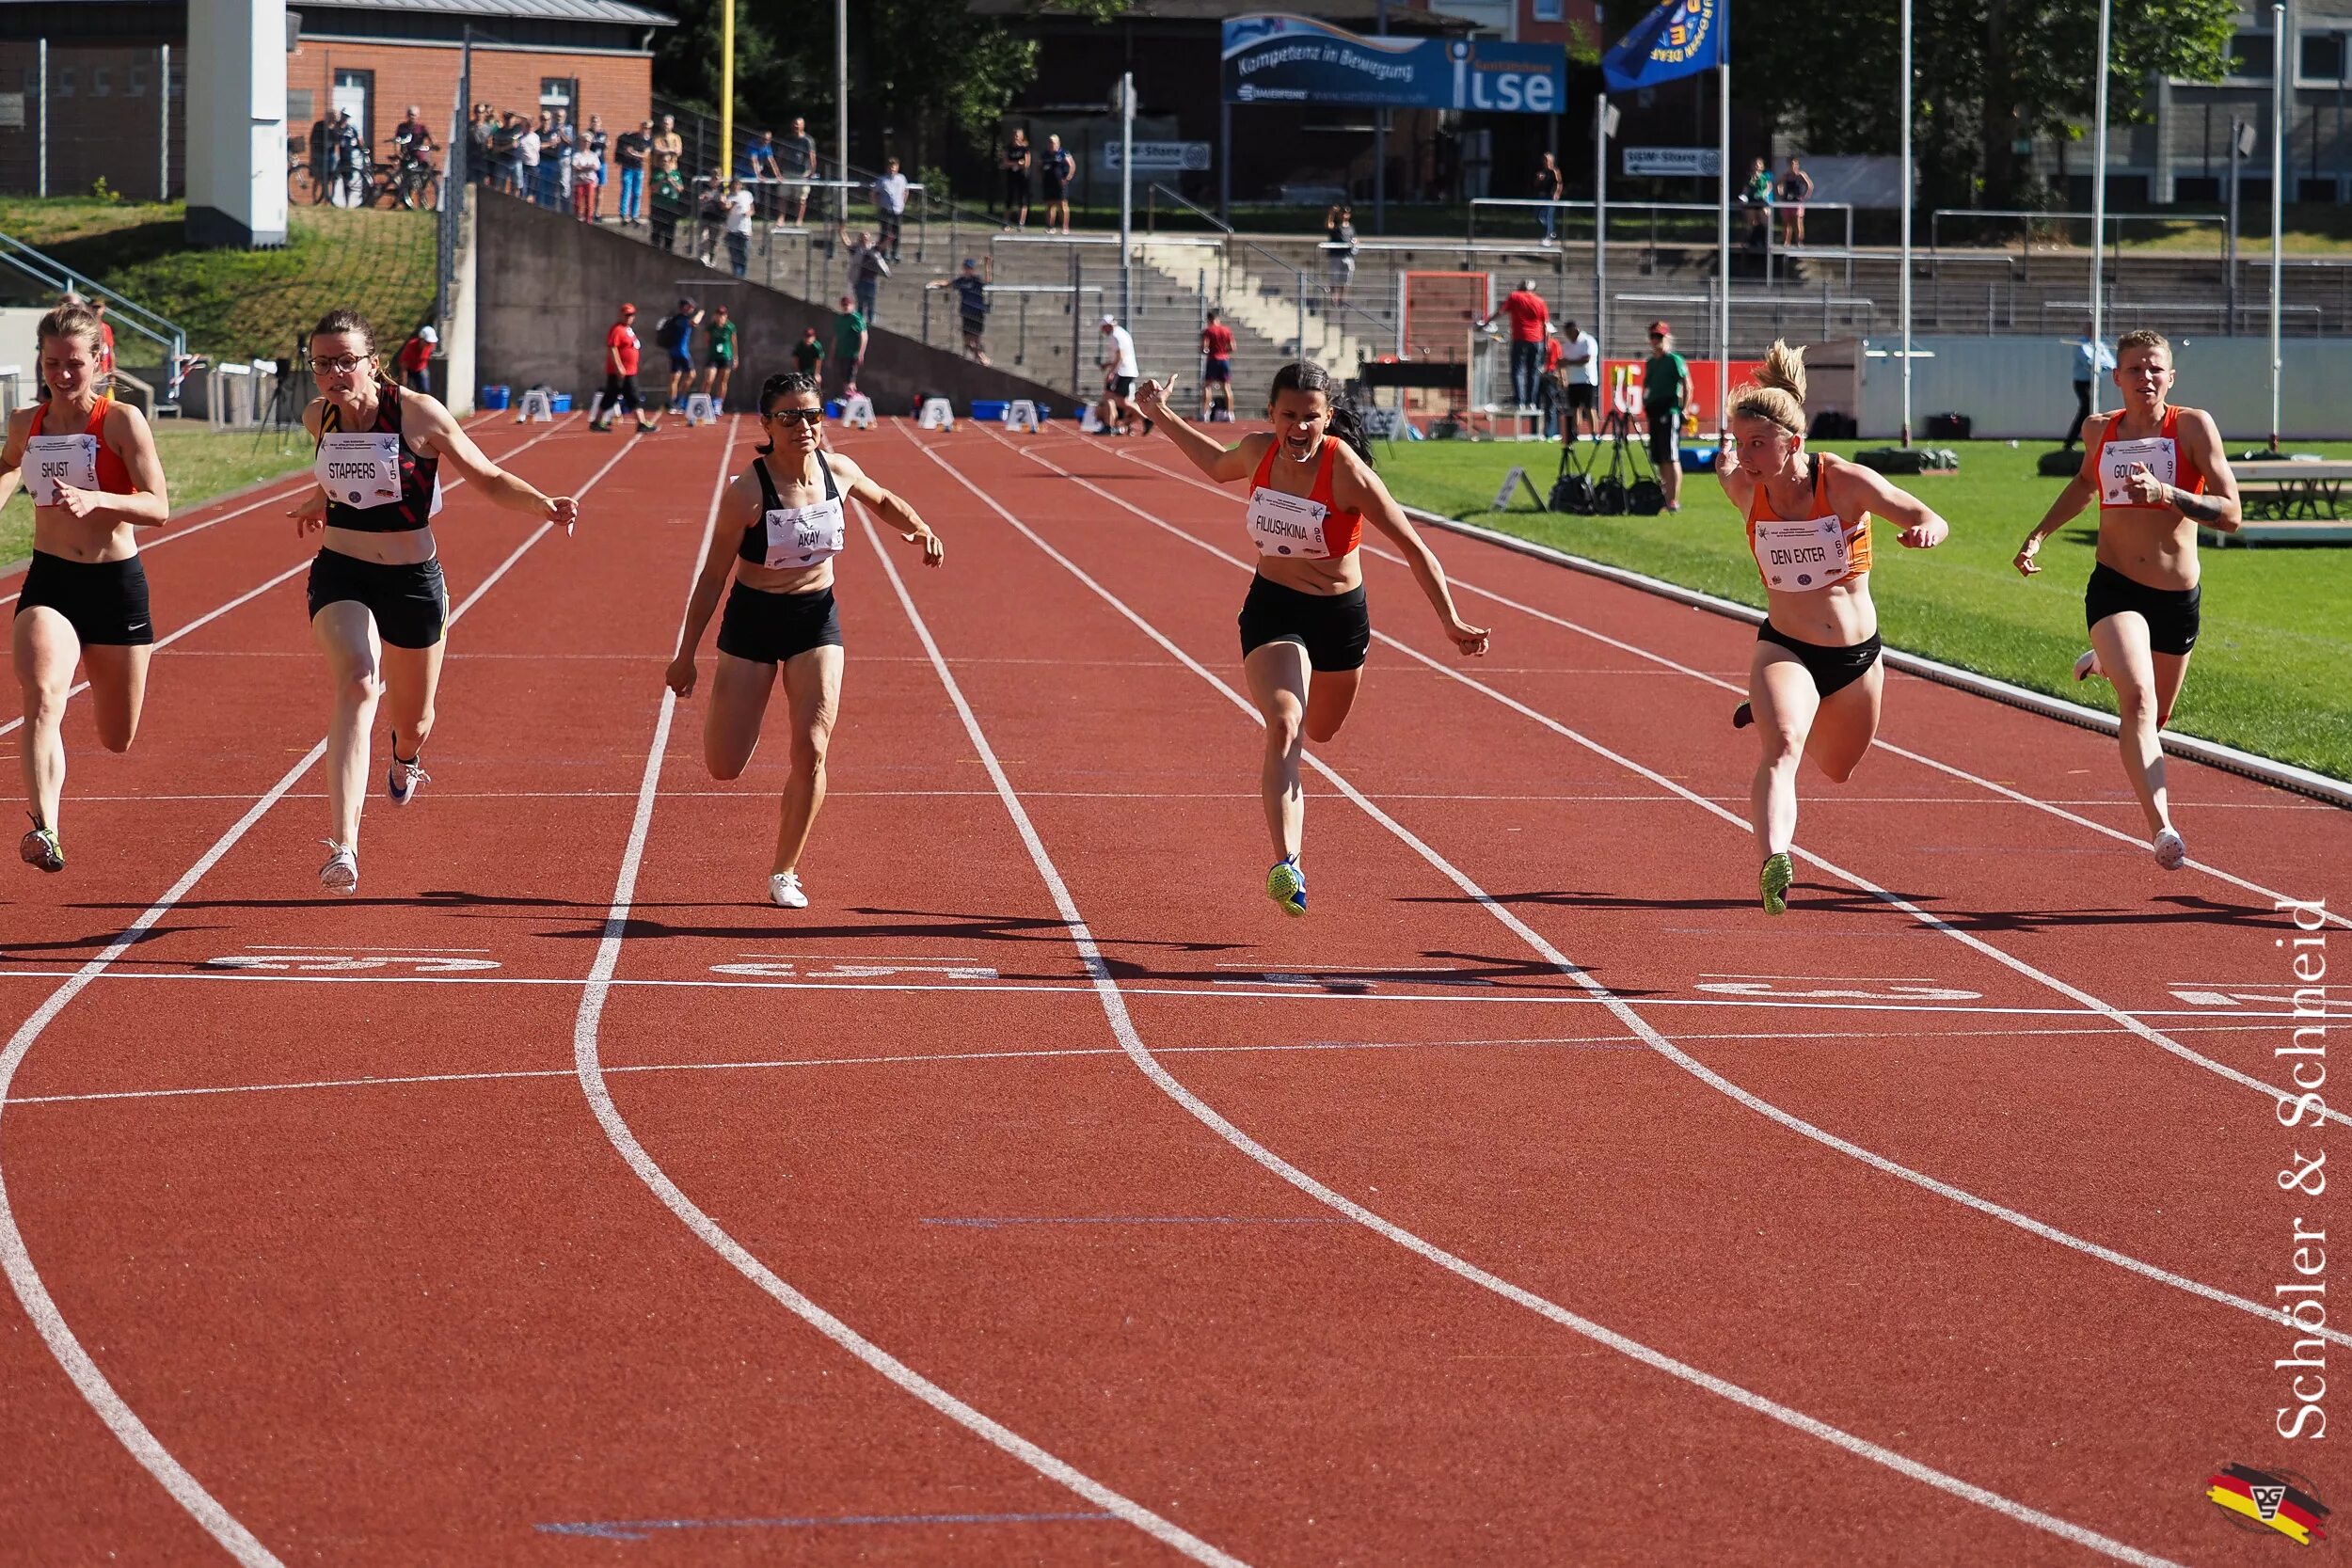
726	91
163	127
841	110
1723	244
1600	227
2229	262
1126	193
1380	151
1077	309
2098	198
2278	192
1903	290
40	180
1225	164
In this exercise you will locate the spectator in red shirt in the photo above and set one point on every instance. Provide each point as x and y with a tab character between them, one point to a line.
1529	317
620	374
415	359
1217	366
106	343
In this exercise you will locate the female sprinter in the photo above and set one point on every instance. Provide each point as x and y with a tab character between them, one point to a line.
1812	686
780	525
1304	628
2160	471
90	466
379	607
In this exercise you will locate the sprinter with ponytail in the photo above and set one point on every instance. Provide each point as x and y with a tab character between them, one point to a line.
1304	627
1814	682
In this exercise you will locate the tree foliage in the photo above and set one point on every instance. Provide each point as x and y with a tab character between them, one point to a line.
1988	73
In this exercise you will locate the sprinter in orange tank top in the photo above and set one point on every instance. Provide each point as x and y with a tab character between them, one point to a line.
1814	681
90	466
2158	473
1304	628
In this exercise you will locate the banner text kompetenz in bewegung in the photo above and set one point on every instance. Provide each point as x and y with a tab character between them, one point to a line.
1292	59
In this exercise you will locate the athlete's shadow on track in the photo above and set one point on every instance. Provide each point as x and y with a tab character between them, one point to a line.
2169	909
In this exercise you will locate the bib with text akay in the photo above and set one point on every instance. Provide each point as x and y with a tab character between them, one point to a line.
54	460
803	535
1287	525
2160	454
359	468
1804	554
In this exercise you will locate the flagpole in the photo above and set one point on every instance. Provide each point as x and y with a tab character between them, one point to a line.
1722	243
2099	202
2278	193
1600	226
1903	289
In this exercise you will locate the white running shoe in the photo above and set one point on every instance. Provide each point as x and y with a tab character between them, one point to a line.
341	874
401	782
2171	852
783	891
2087	665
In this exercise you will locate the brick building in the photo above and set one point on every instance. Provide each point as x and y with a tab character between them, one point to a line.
97	88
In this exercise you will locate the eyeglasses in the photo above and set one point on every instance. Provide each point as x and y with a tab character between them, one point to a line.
811	416
342	364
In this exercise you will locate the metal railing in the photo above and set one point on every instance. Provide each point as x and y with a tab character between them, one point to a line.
2232	318
1746	308
53	275
1334	311
1648	211
2027	220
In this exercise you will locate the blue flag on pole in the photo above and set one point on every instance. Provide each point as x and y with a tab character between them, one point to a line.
1680	38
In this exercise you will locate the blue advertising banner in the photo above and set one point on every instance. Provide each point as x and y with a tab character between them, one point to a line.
1295	59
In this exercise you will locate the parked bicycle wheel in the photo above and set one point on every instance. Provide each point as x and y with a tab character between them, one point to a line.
301	189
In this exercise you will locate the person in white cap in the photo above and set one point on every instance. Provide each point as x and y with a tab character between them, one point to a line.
415	359
1119	374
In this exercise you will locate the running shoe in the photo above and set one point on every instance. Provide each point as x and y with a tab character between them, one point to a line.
783	891
402	779
1742	716
2171	853
1286	884
40	849
1778	874
341	874
2087	665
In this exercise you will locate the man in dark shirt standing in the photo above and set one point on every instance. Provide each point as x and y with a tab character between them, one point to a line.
795	159
629	150
971	286
1548	189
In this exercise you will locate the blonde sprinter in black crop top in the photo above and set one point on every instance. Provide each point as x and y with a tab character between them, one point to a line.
780	525
377	603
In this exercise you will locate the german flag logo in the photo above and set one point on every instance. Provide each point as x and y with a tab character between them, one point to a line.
2269	1500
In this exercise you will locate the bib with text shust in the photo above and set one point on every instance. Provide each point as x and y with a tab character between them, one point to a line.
54	460
801	536
2161	455
1799	555
359	468
1287	525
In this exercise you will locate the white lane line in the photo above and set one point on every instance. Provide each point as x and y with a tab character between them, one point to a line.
589	1069
2280	1098
247	597
24	1277
2014	796
1123	1026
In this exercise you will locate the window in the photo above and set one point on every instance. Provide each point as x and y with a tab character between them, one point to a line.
2251	54
2315	188
64	88
558	92
137	87
2323	56
101	82
298	100
2195	187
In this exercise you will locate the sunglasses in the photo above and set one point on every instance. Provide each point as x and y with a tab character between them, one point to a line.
811	416
342	364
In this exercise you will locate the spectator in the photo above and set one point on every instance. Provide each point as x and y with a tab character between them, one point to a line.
1580	359
347	163
2090	357
587	169
620	376
808	355
321	165
411	140
506	148
668	148
758	166
848	344
415	359
797	160
629	151
971	286
528	146
1529	317
890	204
1548	189
1756	196
1016	166
720	374
1665	393
740	228
1217	366
711	217
665	203
1339	228
556	146
480	134
595	139
676	337
868	266
1060	168
1796	189
1120	375
106	341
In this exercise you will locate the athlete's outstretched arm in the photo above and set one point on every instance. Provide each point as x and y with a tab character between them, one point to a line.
2080	492
1221	462
1854	489
444	435
894	510
1355	487
739	509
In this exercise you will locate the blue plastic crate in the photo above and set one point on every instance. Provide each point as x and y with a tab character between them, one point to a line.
495	398
989	410
561	402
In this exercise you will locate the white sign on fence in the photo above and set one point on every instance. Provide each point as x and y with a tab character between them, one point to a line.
1157	157
1672	162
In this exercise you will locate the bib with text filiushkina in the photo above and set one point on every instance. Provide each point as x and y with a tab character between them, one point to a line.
54	460
1804	554
359	468
801	536
2161	453
1284	524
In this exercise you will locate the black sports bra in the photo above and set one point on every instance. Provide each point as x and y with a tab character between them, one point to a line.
374	482
789	538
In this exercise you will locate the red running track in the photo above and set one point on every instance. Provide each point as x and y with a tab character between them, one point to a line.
1039	1194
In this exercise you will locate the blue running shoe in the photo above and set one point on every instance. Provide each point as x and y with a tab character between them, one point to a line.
1286	884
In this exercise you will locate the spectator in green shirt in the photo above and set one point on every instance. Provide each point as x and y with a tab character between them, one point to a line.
808	353
720	370
848	344
1665	393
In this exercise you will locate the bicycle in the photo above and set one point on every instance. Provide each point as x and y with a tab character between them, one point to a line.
410	182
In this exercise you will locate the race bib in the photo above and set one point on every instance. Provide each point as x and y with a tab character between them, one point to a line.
1287	525
2160	454
359	468
801	536
1796	557
54	460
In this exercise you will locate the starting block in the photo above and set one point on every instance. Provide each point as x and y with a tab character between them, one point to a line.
536	406
1090	423
698	410
936	415
1020	414
857	413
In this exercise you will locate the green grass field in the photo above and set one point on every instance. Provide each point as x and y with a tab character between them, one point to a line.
200	465
2273	672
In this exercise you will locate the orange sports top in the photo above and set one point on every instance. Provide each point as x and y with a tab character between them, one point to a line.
1797	555
1341	531
2161	452
113	477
